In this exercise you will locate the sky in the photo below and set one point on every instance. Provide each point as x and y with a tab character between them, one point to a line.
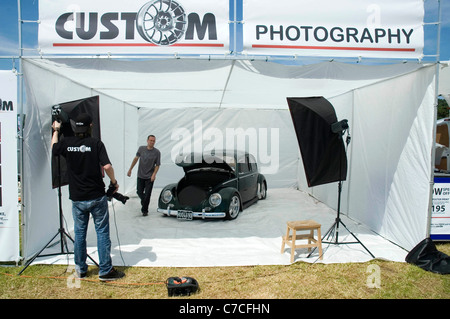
9	43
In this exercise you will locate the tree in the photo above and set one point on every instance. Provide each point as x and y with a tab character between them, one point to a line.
443	109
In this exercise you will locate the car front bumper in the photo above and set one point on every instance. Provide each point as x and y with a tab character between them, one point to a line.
203	214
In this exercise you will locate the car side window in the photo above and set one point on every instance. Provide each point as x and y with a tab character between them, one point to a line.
253	165
243	165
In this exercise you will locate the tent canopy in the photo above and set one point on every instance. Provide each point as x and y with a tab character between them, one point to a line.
178	83
194	104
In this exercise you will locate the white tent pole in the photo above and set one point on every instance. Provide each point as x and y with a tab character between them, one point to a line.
303	59
226	83
21	119
433	148
235	27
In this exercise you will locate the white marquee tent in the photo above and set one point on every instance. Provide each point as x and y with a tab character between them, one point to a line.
390	109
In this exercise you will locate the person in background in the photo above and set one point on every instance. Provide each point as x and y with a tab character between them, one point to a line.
149	158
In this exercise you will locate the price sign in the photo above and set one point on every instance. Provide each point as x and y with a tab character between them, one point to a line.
440	210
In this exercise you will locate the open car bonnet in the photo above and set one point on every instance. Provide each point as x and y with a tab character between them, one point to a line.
197	161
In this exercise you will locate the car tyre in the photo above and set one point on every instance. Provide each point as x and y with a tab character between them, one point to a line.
262	192
234	207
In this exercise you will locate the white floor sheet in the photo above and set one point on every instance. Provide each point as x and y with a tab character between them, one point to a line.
254	238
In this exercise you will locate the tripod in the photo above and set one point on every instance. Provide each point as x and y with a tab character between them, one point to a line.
61	231
334	229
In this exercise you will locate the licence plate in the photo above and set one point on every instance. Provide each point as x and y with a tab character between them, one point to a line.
185	215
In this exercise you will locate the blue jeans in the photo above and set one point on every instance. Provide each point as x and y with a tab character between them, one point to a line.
98	208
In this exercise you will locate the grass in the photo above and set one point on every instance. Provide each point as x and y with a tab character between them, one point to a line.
296	281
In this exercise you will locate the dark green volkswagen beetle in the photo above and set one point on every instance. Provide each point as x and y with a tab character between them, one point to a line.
216	184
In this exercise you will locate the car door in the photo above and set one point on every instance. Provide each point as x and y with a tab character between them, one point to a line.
247	179
253	177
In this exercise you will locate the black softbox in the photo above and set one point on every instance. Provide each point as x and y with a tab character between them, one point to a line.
319	137
65	112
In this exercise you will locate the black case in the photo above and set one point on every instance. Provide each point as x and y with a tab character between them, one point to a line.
181	286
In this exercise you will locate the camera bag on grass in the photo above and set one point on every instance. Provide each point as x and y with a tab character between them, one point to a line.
426	256
181	286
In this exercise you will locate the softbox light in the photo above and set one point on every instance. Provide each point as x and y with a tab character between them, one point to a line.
321	144
65	112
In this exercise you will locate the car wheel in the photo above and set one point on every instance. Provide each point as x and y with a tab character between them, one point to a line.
234	208
262	193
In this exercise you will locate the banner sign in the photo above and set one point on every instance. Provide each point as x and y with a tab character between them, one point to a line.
9	215
440	212
328	28
133	27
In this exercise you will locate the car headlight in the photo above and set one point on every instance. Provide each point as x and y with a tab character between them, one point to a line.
215	200
166	196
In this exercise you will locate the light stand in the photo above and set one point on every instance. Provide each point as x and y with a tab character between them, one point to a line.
61	231
334	229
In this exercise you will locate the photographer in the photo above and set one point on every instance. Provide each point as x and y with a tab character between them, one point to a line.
85	155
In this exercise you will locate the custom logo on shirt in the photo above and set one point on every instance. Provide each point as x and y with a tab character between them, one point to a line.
81	149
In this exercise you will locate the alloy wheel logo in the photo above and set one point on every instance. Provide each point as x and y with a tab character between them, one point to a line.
161	22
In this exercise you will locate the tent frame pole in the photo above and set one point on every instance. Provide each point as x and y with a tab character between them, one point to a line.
435	109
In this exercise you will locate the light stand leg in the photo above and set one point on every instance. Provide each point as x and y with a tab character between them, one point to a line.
63	234
35	256
356	238
334	229
61	231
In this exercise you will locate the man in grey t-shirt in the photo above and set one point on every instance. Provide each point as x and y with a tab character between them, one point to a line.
149	159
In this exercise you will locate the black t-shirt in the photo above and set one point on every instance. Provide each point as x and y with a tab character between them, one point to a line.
84	157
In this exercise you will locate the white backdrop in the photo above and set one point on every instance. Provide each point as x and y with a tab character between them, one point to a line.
390	111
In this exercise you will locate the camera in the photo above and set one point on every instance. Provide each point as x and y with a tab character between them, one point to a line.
58	114
111	194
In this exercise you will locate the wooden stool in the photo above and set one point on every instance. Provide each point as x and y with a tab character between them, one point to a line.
302	225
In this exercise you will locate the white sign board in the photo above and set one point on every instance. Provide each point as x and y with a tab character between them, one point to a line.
9	215
440	213
133	27
346	28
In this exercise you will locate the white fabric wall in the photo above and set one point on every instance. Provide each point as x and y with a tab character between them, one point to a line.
393	156
278	163
119	133
389	110
41	214
388	182
41	209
